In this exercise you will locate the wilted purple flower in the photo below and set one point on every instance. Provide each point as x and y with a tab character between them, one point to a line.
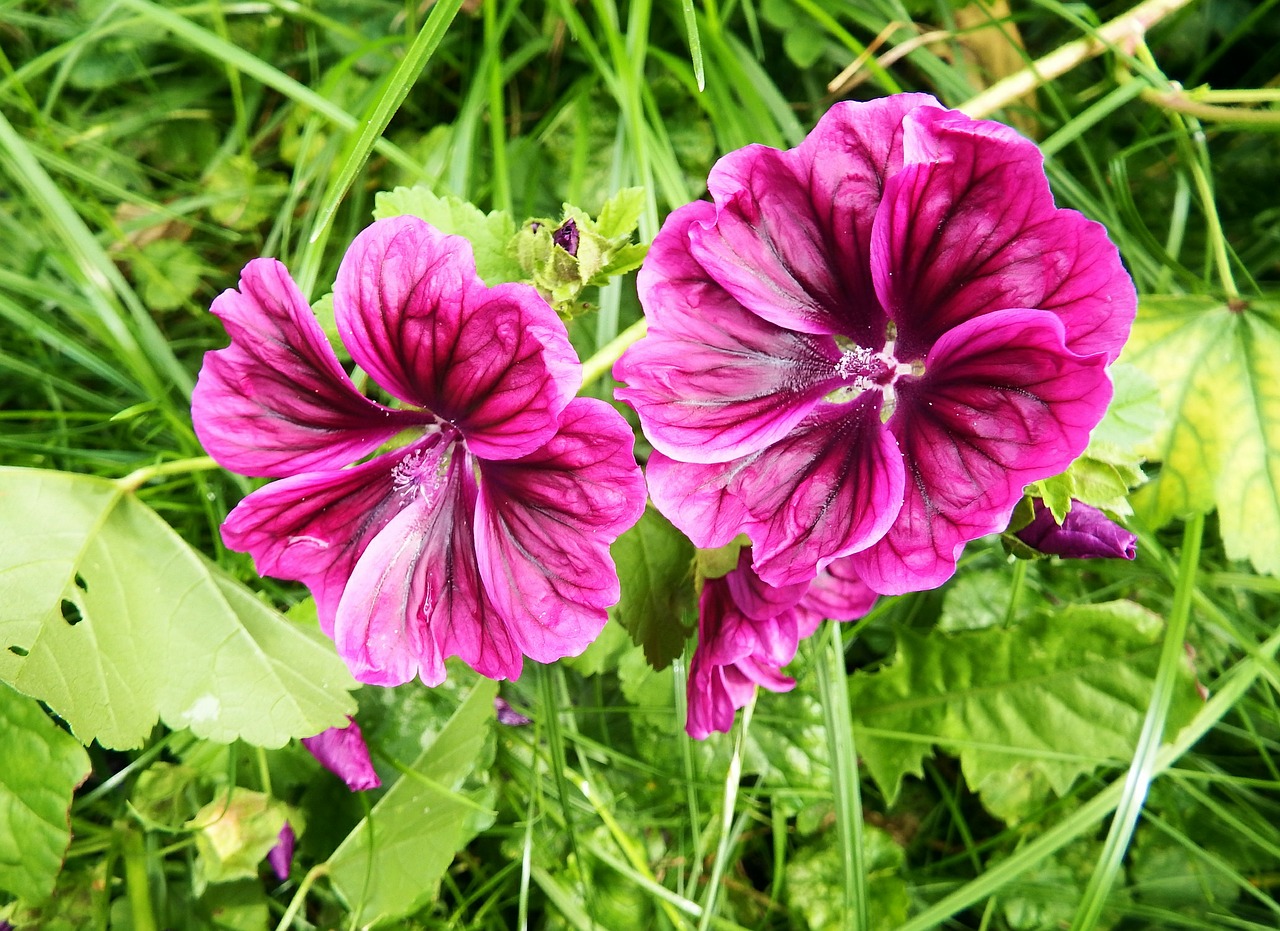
280	857
566	236
486	534
343	752
869	344
1085	533
748	630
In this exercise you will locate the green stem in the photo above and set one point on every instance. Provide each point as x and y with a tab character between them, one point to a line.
136	883
300	897
732	781
139	477
1015	591
833	682
600	363
1142	769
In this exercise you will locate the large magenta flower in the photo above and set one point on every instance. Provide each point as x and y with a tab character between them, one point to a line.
748	630
486	534
867	345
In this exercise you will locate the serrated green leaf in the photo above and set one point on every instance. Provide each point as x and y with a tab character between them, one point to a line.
490	234
621	213
1056	492
168	272
1218	370
391	864
815	882
1132	418
976	600
40	767
1016	705
113	621
655	571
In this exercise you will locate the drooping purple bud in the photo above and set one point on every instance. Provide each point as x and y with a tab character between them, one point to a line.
508	715
280	857
1085	533
566	237
342	751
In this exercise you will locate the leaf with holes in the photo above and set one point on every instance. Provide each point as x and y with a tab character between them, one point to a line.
113	621
1218	370
40	767
1026	709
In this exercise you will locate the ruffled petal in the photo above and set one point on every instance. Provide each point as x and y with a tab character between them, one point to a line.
791	236
1002	403
747	631
969	227
712	381
837	594
312	528
543	528
496	362
415	596
830	488
276	402
343	752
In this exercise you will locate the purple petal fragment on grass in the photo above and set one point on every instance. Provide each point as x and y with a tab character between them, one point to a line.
903	261
280	857
483	532
343	752
1085	533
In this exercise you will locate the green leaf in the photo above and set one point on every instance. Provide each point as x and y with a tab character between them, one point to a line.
490	234
1218	370
976	600
113	621
1026	709
391	864
621	213
815	877
655	568
40	767
234	833
1132	419
169	273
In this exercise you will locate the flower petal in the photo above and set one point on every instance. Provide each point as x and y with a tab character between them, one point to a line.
791	237
712	381
312	528
496	362
543	528
415	596
343	752
276	401
969	226
837	594
830	488
280	857
747	631
1085	533
1002	403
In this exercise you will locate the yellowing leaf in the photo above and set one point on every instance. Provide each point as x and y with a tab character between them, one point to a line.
113	621
1218	370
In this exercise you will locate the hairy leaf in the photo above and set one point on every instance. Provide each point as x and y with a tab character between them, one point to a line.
1026	709
1218	369
113	621
40	767
490	234
391	864
655	568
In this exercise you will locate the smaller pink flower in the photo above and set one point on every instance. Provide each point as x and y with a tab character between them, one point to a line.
748	630
342	751
480	527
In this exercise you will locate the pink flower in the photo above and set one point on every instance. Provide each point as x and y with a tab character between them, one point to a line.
343	752
1085	533
867	345
486	534
748	630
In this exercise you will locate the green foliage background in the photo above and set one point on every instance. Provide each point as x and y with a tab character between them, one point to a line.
1036	745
